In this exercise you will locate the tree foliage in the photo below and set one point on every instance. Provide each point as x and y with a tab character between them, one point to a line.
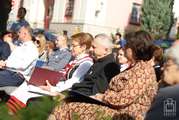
157	17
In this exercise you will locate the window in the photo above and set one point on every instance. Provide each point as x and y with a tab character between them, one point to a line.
69	8
135	14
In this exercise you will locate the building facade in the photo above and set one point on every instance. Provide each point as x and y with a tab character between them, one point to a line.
94	16
174	29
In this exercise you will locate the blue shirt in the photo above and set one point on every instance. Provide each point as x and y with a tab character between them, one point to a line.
122	43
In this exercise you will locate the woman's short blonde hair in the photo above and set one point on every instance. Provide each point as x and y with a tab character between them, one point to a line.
41	42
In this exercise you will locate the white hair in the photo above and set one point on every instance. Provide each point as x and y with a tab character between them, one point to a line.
104	40
173	53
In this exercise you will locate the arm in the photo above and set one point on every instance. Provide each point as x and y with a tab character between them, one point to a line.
5	51
104	76
8	39
77	75
2	64
129	90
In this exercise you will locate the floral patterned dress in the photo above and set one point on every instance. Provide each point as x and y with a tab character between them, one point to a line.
130	94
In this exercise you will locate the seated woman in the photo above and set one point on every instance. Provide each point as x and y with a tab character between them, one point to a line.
74	72
40	42
76	69
130	93
123	61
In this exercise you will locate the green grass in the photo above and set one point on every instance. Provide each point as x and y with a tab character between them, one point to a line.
40	109
36	110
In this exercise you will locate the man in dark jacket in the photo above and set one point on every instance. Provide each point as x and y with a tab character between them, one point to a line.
105	67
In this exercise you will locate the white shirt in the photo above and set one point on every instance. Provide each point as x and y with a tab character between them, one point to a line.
124	67
23	58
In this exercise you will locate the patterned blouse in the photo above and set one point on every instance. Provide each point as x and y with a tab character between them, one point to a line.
130	94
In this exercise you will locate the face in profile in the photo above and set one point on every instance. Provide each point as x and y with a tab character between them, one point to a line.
60	41
77	49
171	72
121	57
98	50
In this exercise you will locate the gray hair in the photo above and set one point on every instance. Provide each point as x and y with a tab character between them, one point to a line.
104	40
29	29
173	53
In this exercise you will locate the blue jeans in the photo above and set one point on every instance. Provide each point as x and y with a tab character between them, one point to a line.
9	78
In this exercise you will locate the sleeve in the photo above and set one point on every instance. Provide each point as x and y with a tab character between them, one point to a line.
76	77
5	51
22	58
13	27
126	92
102	80
61	62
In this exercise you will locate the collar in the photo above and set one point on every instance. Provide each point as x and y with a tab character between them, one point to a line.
109	56
81	56
63	48
27	43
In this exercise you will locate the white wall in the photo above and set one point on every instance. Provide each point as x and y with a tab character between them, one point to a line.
59	11
35	12
176	8
173	31
113	14
79	11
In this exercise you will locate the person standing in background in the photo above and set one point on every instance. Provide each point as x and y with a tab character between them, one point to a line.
20	20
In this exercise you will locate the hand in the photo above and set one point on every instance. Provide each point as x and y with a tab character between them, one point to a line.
47	87
2	64
7	38
98	96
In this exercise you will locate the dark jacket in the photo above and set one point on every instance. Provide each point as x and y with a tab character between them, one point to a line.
165	104
98	77
4	50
